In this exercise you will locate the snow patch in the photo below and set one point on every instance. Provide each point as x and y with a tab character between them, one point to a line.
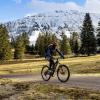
34	37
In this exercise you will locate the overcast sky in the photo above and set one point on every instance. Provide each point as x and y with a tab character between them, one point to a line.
15	9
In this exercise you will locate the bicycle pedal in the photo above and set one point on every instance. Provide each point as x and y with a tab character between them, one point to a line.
52	75
50	72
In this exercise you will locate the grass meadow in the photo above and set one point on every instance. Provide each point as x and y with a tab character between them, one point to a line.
14	90
39	91
77	65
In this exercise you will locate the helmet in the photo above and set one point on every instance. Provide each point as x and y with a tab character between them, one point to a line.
54	43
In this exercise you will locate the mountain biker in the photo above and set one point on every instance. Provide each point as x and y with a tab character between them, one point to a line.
49	54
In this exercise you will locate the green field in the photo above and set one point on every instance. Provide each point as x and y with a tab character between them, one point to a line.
77	65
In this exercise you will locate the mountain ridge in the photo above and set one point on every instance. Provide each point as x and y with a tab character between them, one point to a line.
68	20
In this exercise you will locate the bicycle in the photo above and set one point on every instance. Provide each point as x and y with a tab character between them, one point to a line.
63	72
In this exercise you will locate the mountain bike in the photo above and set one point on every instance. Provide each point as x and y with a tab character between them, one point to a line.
63	72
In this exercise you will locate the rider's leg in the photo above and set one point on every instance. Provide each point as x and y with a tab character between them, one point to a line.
51	63
51	67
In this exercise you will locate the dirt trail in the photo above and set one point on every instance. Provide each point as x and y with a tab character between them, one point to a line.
89	82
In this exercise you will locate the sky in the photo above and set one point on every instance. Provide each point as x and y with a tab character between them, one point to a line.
16	9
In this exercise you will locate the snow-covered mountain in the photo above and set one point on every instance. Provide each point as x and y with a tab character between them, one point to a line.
69	20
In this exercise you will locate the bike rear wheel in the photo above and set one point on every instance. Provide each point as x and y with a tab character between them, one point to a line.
63	73
44	73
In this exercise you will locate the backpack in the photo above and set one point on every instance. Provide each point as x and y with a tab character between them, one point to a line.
46	50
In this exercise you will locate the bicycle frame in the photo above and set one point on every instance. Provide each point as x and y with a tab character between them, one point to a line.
57	67
56	63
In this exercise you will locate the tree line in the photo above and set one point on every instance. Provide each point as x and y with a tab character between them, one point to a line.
85	43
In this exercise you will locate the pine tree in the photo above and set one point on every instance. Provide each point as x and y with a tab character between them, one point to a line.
76	48
40	44
88	39
31	49
25	38
98	35
44	39
65	45
75	43
12	42
19	48
5	47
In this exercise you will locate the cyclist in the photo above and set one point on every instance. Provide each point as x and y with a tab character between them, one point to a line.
49	52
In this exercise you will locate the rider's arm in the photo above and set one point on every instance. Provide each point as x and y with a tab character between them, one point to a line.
60	53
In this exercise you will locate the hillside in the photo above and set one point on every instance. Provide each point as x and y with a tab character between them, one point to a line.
69	20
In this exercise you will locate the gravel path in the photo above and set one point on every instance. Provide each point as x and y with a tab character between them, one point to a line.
82	81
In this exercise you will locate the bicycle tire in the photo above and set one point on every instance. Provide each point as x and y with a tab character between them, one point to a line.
43	74
67	76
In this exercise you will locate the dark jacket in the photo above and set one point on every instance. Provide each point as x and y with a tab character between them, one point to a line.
50	51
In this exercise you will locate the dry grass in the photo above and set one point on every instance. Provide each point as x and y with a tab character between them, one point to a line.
14	90
41	91
76	65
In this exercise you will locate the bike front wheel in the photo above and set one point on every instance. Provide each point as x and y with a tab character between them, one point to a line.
44	73
63	73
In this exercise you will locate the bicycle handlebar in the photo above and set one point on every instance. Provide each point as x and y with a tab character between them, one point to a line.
57	59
